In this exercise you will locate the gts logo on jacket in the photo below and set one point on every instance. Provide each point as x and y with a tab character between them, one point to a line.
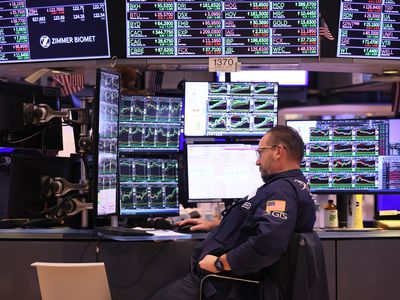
277	214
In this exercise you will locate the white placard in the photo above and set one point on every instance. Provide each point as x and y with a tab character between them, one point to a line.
223	64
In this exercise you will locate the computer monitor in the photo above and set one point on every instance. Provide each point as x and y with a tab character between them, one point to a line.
105	143
368	30
27	196
54	30
230	109
282	77
15	131
218	172
221	28
387	207
351	156
150	124
149	186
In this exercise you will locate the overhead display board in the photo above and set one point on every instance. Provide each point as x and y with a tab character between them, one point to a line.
40	30
369	29
187	28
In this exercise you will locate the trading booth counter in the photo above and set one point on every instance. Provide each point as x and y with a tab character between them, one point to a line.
138	266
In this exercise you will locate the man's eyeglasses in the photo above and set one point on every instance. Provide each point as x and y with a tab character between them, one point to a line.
262	149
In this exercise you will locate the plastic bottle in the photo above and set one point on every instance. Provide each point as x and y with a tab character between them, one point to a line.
330	215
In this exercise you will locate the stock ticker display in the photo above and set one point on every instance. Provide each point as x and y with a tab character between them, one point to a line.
230	109
43	30
351	155
181	28
369	29
149	123
107	143
148	186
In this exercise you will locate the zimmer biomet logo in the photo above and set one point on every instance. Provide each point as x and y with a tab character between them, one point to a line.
45	41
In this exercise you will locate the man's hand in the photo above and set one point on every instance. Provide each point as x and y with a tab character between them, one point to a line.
199	224
208	263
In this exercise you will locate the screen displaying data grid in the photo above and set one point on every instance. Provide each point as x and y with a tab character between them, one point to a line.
107	146
182	28
53	30
230	109
221	171
351	155
369	29
150	123
148	186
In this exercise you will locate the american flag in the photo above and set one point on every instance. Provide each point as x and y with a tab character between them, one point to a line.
324	30
70	83
276	205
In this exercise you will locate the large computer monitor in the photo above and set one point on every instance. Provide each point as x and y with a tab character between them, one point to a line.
351	156
221	28
53	30
218	172
282	77
230	109
368	29
149	186
15	129
150	124
105	143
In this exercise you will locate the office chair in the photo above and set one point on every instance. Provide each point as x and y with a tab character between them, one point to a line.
300	274
78	281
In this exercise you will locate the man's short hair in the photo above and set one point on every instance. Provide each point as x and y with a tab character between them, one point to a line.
290	138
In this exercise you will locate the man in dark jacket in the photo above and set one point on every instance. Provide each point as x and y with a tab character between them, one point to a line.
256	230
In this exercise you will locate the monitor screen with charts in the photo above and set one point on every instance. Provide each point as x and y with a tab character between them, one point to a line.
105	140
230	109
351	156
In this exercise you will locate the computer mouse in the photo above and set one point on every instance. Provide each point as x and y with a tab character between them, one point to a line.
185	228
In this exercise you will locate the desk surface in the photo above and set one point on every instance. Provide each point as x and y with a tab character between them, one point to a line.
77	234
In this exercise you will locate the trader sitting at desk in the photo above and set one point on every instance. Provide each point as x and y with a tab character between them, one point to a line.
256	230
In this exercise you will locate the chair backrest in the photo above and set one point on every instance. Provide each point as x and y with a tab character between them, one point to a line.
77	281
300	273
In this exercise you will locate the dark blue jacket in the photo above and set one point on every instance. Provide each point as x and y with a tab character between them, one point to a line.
256	230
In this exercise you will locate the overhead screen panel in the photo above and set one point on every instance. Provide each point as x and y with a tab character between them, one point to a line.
53	30
369	29
214	28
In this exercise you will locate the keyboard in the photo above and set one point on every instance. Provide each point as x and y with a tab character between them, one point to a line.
388	224
121	231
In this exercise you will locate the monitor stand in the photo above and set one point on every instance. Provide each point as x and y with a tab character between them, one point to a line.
115	230
343	201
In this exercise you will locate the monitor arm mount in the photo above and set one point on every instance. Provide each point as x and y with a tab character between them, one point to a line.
37	114
42	113
67	206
